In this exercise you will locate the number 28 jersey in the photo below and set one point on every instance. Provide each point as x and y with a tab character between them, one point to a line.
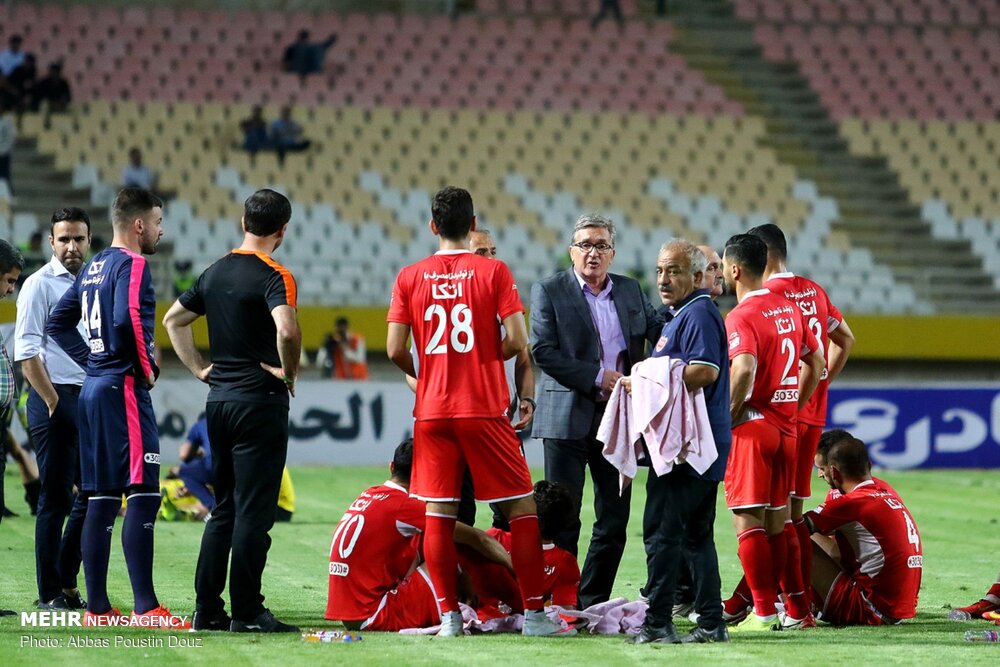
451	301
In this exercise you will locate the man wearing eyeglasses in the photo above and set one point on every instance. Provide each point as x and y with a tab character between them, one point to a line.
588	327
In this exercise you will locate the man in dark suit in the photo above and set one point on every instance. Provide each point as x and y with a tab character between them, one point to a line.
588	328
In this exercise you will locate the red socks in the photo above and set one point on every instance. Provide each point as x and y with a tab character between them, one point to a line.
790	578
526	555
442	560
805	552
755	555
741	598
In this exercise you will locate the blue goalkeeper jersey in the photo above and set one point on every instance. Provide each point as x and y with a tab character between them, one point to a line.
113	294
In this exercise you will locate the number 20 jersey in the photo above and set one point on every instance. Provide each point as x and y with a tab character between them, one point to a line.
452	301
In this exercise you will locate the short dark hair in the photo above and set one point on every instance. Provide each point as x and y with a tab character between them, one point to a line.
340	320
749	252
10	257
130	203
71	214
773	237
555	508
453	213
841	449
265	212
402	460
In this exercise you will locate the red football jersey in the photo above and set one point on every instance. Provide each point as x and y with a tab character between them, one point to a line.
451	302
822	317
879	546
373	548
562	573
766	325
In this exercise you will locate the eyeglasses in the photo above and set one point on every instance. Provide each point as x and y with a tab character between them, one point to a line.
586	248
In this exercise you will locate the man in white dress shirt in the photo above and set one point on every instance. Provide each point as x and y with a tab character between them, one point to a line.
52	413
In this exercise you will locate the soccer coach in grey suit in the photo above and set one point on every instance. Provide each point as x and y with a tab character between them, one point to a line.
587	329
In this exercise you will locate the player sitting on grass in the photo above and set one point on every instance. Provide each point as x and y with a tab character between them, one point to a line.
739	605
869	574
377	579
562	574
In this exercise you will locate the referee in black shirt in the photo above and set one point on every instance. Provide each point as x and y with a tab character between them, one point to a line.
249	301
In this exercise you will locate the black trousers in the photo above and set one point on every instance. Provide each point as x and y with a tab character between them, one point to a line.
57	449
566	462
249	445
685	505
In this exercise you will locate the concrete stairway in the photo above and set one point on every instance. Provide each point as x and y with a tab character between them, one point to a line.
875	210
41	188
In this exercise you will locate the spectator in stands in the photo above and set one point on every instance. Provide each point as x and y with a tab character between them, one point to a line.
53	89
22	80
609	6
303	57
286	135
8	135
136	174
12	57
343	354
255	132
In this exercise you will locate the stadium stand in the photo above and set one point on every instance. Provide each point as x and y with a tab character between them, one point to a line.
542	117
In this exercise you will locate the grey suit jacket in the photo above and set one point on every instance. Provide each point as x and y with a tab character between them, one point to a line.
565	346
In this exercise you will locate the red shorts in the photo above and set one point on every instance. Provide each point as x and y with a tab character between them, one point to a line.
412	604
848	604
805	459
442	448
758	473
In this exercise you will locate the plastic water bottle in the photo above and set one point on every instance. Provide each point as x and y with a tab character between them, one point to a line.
986	636
329	636
959	615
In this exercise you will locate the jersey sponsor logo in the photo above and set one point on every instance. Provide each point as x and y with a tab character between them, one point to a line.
447	291
734	340
549	570
339	569
662	343
150	457
464	274
915	562
96	267
777	312
785	396
96	346
784	325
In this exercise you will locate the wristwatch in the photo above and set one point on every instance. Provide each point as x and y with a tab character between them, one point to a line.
531	402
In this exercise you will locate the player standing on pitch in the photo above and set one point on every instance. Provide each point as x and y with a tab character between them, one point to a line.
454	302
119	441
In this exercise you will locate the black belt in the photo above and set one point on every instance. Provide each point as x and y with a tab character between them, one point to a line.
69	388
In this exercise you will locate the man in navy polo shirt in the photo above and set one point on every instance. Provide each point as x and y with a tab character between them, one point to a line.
683	499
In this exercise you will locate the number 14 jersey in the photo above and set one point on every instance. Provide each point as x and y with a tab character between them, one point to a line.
452	301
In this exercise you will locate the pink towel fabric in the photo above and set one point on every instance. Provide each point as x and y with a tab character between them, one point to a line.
660	411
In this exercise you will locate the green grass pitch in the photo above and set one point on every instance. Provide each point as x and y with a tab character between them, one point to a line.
957	512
